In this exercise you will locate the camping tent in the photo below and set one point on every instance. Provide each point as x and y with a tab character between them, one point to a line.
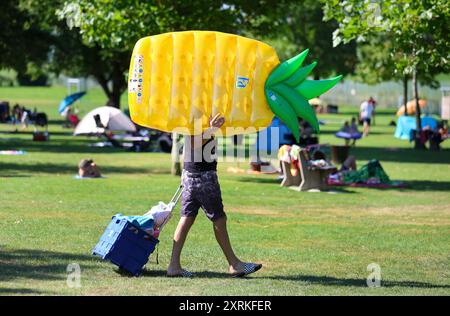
407	123
105	118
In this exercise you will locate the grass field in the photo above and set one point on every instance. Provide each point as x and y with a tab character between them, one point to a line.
309	243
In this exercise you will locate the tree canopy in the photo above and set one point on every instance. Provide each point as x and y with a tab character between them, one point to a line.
21	39
305	27
417	30
109	29
96	38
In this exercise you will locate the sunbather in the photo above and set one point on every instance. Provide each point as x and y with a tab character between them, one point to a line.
87	168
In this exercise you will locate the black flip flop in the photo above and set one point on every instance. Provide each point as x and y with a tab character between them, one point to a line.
182	274
249	268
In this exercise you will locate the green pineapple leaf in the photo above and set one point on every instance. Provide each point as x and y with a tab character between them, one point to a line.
286	69
314	88
300	75
287	92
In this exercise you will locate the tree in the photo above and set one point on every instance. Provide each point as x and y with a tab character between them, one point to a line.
68	53
110	28
418	31
21	40
96	38
376	64
300	26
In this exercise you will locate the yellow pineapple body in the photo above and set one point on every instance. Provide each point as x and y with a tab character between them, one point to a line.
179	78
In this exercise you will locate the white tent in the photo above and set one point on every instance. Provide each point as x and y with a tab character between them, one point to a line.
105	118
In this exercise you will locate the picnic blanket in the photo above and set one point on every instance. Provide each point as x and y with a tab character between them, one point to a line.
78	177
12	152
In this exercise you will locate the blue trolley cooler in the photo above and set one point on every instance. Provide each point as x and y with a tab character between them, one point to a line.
128	246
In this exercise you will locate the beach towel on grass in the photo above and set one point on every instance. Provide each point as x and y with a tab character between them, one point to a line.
371	175
12	152
372	172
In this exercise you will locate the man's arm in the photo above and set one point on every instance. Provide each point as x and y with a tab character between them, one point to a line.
215	123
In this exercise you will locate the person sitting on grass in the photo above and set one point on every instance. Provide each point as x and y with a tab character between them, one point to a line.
354	132
436	136
16	116
201	188
87	168
349	132
25	117
345	128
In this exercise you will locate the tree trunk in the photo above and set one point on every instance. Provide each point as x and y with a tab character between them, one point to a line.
176	164
114	98
118	85
104	84
418	142
405	93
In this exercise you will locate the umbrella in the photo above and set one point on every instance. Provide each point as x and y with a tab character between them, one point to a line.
105	118
69	100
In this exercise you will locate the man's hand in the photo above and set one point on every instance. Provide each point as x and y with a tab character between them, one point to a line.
217	121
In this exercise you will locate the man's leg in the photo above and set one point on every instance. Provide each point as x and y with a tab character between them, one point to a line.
211	202
221	233
366	128
184	225
350	163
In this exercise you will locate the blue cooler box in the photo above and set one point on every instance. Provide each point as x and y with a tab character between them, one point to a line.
125	245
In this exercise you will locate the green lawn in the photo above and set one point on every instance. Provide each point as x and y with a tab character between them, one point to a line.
309	243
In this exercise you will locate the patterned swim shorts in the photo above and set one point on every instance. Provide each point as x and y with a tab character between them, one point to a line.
201	189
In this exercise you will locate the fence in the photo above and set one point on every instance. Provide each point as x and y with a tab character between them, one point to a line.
387	95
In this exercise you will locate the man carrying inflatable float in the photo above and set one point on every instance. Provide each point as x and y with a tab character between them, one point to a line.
204	84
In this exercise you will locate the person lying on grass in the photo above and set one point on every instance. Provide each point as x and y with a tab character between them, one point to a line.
87	168
202	189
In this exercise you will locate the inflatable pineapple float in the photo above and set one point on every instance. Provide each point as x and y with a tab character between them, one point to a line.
177	80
